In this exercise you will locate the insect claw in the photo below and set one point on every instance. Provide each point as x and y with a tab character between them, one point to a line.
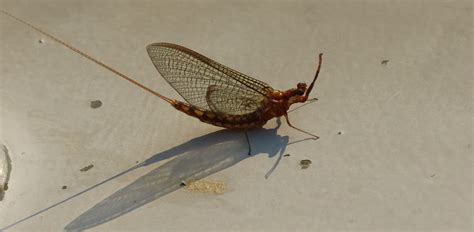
278	121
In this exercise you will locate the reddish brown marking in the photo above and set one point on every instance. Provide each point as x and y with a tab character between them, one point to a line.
210	115
198	112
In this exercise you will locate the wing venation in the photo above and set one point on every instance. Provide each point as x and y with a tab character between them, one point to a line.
205	83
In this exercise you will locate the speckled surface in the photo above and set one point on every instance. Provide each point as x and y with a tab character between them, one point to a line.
396	82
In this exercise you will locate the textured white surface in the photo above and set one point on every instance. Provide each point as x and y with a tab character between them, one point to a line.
402	163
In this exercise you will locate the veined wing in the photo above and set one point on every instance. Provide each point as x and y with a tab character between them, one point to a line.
218	100
205	83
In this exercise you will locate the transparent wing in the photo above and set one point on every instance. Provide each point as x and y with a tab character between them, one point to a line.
205	83
218	100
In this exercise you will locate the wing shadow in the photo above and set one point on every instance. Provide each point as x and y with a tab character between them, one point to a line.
195	159
268	142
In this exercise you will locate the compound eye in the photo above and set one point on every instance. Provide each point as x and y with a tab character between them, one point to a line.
299	92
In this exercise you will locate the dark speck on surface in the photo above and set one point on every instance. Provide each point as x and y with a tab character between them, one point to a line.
286	155
384	62
305	163
64	187
96	104
87	168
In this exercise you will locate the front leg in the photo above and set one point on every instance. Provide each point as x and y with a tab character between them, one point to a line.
248	143
289	124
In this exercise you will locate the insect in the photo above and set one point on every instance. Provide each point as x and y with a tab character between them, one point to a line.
213	93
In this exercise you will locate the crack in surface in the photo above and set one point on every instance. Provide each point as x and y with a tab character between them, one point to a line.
5	170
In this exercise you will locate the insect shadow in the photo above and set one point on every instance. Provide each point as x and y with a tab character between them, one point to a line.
195	159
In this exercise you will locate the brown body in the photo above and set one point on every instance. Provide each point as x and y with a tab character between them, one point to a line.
276	105
245	121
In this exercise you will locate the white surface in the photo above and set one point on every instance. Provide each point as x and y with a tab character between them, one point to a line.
403	162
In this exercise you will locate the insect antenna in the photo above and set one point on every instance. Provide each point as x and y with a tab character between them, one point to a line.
89	57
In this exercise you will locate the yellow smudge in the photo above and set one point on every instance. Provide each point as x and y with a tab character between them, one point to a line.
207	186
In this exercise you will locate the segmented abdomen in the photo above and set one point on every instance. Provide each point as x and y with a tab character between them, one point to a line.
244	121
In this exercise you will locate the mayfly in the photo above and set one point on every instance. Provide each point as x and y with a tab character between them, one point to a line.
214	93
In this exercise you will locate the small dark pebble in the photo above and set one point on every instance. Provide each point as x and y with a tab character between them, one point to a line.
384	62
433	175
286	155
339	133
64	187
96	104
87	168
182	183
305	163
